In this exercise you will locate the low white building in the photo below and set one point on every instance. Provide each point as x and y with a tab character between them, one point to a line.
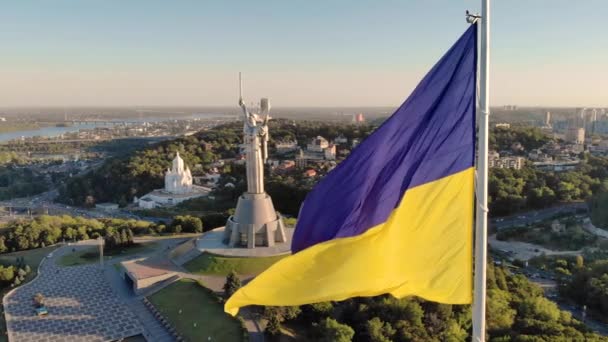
330	152
286	146
507	163
340	139
178	179
538	156
142	274
106	206
317	144
558	165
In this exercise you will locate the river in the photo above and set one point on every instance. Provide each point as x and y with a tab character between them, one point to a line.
56	131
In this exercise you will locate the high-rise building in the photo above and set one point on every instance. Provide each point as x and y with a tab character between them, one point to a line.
593	117
579	119
358	118
575	135
548	119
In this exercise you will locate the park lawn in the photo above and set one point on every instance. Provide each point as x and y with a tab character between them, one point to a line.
198	306
91	255
208	263
32	257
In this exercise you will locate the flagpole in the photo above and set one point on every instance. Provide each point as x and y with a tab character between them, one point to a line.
481	229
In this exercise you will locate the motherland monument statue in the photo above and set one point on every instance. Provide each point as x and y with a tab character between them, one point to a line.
255	222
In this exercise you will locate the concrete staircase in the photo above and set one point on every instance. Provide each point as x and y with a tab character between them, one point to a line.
154	330
188	251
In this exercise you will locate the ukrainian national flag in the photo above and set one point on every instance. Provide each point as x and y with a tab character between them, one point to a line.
396	216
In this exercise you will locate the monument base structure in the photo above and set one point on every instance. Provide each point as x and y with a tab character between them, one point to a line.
254	223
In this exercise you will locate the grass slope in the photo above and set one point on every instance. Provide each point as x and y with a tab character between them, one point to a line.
207	263
198	306
32	257
91	255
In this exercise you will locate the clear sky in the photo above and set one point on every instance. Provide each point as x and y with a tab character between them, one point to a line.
298	53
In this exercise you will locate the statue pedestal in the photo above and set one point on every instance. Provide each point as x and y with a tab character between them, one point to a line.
254	223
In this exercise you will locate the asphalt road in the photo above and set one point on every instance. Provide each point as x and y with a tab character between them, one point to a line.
536	215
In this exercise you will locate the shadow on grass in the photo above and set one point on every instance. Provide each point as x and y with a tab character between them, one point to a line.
211	264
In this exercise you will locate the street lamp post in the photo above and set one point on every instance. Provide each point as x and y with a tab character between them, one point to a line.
100	239
584	313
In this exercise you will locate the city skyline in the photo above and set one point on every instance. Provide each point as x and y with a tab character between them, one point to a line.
139	53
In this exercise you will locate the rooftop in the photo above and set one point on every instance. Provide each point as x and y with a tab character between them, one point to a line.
145	268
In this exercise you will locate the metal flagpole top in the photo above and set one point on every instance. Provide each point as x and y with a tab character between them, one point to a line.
472	18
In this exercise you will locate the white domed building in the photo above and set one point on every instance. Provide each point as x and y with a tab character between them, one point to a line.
178	187
177	179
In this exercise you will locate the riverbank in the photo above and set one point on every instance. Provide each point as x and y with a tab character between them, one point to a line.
7	127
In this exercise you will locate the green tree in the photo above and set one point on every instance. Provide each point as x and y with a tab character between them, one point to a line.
454	332
539	308
290	312
501	279
130	237
580	262
500	315
160	228
378	331
273	325
233	283
317	311
124	240
189	224
7	274
3	247
330	330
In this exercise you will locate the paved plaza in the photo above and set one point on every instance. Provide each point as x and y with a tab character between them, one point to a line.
81	305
